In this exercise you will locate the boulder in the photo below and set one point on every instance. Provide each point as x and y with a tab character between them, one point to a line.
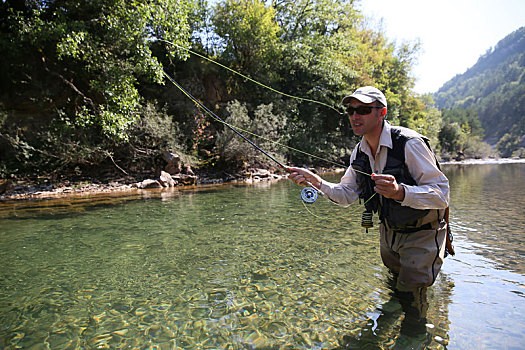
166	180
188	170
174	165
186	179
148	183
261	173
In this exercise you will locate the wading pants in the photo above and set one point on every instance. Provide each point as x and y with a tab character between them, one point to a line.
415	259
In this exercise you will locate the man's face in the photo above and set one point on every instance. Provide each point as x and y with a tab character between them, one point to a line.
368	123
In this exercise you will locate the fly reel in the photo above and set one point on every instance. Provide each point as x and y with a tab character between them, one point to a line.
366	220
309	195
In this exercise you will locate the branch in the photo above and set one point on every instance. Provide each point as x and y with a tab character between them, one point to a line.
110	157
70	84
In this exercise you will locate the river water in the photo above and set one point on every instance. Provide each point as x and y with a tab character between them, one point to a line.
249	267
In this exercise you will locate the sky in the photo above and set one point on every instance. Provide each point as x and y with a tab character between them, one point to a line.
453	33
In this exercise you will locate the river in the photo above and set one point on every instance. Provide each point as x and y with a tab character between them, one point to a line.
242	267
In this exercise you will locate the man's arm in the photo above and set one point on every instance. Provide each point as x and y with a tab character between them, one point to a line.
344	193
432	189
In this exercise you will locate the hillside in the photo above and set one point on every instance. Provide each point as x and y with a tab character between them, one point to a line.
495	88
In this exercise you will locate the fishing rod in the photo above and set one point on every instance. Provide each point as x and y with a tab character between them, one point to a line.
308	194
264	86
201	105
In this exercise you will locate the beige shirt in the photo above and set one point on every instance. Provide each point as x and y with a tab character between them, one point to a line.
431	191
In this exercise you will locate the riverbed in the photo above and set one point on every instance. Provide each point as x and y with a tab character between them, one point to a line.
249	266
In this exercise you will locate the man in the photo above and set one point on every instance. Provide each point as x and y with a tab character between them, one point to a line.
394	171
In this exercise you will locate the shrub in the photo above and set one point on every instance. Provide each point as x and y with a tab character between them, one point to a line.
475	148
264	128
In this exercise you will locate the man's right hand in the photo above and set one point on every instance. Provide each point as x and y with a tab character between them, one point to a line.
304	177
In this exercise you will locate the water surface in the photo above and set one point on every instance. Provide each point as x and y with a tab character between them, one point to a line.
240	267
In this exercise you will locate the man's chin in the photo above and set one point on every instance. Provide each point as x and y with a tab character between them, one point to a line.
358	132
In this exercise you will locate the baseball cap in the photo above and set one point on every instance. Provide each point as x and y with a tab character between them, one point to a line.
366	94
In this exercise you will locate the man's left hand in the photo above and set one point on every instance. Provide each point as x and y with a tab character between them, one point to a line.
387	186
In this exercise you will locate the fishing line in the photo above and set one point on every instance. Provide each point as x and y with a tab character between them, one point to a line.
260	84
308	194
214	116
222	121
250	79
309	211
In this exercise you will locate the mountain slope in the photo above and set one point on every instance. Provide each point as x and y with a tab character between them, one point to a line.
494	87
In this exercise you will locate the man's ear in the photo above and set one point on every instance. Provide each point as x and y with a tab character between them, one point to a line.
383	113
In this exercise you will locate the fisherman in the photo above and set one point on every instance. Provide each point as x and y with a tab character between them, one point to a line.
395	172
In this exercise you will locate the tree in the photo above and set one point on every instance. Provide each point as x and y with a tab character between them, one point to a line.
249	31
451	137
75	68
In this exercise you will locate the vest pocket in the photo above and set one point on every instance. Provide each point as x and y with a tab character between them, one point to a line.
400	217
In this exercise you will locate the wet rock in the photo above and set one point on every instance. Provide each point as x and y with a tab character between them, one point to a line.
166	180
185	179
148	183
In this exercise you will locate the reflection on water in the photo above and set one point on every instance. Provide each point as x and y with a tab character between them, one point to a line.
487	207
248	267
488	219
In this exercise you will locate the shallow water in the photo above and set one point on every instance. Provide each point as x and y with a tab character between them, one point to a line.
240	267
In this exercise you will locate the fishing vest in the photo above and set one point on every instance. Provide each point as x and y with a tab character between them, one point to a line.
391	212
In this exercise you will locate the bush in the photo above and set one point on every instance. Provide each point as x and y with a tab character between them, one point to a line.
475	148
508	144
264	128
451	138
520	152
155	133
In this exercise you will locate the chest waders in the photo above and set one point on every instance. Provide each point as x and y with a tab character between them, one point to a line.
402	219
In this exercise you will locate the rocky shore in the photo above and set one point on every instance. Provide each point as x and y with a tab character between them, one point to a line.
184	178
17	190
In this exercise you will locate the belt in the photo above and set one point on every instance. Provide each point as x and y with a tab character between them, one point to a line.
414	229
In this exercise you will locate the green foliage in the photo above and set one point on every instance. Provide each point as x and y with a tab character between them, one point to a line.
451	137
250	33
458	138
519	153
511	145
85	81
474	147
236	152
467	118
154	133
75	68
462	132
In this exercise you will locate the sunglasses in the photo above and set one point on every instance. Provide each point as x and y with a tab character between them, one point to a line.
361	110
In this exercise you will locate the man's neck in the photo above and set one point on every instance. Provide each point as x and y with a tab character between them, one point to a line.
373	140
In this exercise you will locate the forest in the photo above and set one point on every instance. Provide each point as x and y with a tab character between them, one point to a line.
493	93
86	86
